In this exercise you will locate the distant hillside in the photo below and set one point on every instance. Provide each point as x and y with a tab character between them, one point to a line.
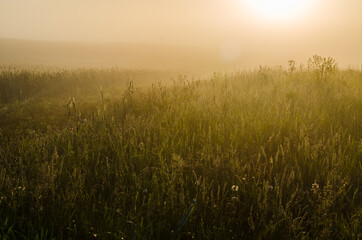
128	55
152	56
132	55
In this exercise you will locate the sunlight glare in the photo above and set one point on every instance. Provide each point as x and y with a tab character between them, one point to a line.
278	9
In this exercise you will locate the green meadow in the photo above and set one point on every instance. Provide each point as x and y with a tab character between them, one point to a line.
270	153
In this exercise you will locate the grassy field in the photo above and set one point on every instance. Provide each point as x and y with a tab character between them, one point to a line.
264	154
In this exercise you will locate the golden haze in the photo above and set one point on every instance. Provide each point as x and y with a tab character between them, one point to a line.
175	34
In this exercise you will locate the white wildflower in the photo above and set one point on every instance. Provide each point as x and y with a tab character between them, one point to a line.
315	187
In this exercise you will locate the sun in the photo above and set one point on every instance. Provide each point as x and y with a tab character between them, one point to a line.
278	9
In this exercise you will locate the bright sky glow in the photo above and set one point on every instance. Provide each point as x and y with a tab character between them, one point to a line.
243	31
278	10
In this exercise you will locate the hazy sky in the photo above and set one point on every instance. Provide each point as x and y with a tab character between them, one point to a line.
332	27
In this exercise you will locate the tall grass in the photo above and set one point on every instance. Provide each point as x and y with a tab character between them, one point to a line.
19	84
267	154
